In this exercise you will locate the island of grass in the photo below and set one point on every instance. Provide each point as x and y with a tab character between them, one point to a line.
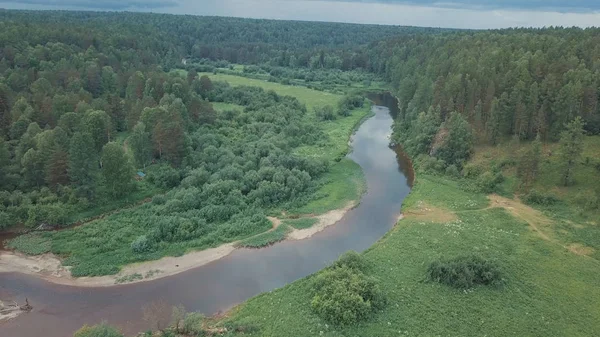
263	153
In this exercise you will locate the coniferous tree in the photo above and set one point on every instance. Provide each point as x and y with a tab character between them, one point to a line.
529	162
141	145
117	170
571	148
458	143
83	164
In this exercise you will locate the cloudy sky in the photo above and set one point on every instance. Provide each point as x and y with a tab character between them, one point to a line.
430	13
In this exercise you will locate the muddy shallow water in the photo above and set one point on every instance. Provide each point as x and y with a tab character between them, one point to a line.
217	286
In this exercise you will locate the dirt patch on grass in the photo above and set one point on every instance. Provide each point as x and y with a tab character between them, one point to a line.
275	221
426	212
538	221
580	249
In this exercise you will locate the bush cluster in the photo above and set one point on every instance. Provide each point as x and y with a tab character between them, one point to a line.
465	272
344	295
540	198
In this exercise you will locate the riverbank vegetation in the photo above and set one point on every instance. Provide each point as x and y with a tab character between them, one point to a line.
193	174
225	175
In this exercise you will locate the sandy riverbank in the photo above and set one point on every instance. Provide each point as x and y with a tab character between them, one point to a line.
50	268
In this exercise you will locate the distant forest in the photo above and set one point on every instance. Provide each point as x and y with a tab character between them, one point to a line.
72	83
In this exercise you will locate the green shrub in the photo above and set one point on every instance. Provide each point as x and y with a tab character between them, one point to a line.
344	296
540	198
465	272
471	170
100	330
163	176
352	260
159	199
192	323
430	164
452	171
325	113
488	181
141	245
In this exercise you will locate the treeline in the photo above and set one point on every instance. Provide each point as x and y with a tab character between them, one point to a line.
145	39
507	83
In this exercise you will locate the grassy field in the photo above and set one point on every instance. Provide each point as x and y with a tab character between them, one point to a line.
549	290
312	98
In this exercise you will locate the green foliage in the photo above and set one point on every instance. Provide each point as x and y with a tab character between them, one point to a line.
571	148
529	163
350	102
343	295
193	323
140	144
83	164
352	260
419	139
488	181
535	197
31	244
465	272
325	113
141	245
164	176
457	145
100	330
116	169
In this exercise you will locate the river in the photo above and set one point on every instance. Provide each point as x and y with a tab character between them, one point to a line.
61	310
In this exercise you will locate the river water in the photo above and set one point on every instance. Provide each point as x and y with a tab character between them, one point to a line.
60	310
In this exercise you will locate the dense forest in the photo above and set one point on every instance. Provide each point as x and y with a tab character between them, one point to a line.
79	91
73	82
518	82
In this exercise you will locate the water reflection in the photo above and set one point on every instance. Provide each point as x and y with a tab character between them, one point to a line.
60	310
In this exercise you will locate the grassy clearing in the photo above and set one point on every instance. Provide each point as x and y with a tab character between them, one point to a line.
312	98
541	297
266	239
